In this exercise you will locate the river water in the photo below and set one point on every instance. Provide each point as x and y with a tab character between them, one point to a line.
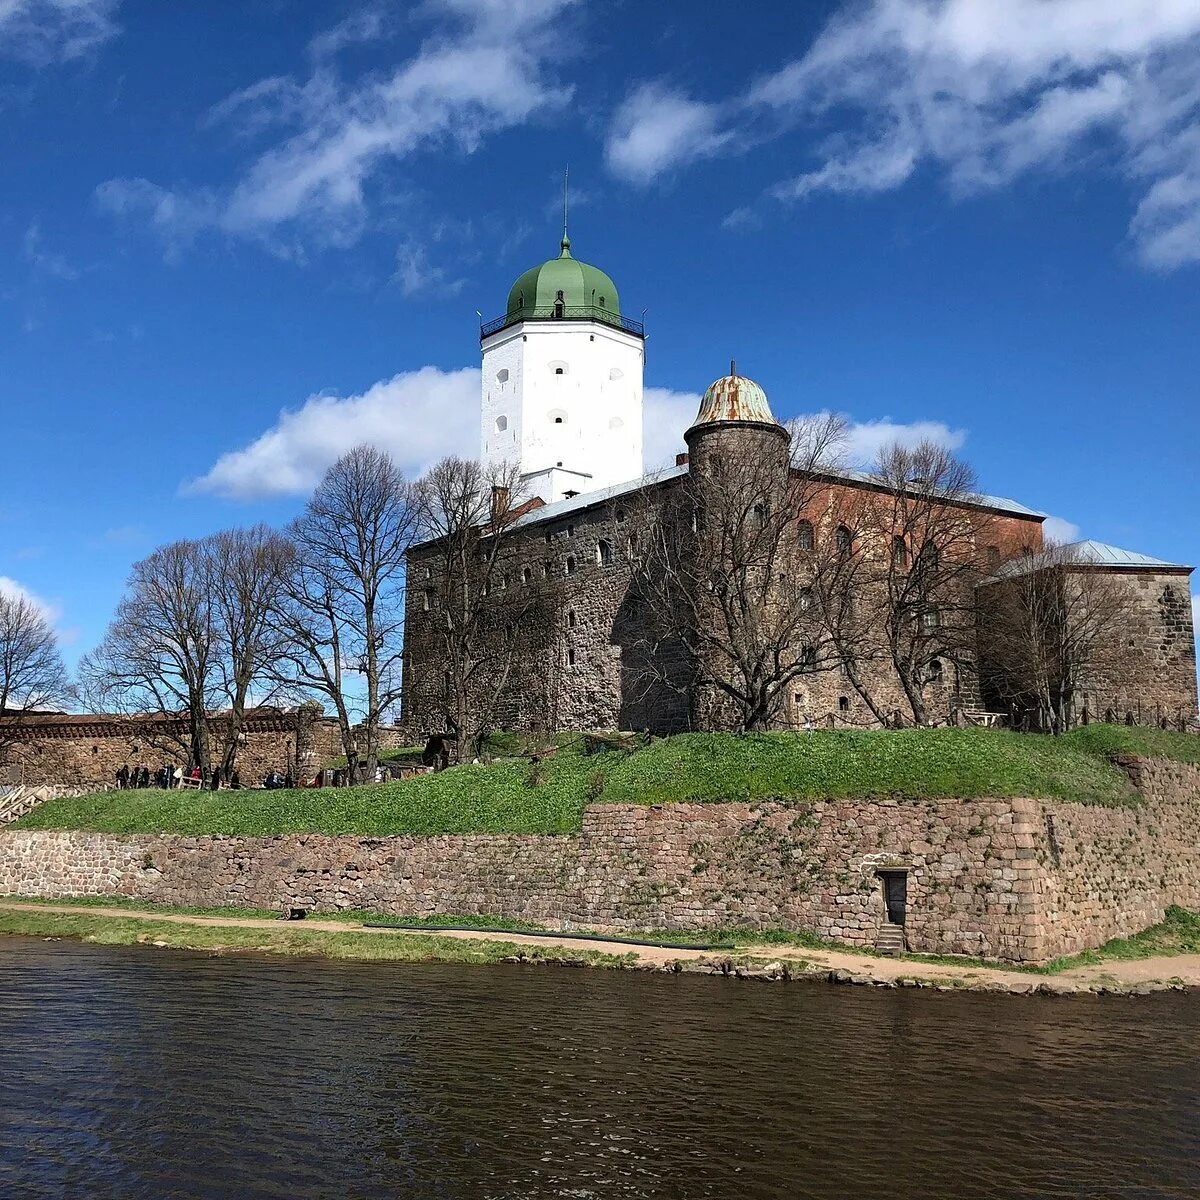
136	1072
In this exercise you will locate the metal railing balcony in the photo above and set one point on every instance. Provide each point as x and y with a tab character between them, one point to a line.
563	312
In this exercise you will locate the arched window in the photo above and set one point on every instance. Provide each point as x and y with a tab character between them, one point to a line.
843	539
804	535
808	658
760	514
570	564
558	370
501	424
993	557
843	704
571	619
603	553
558	305
527	574
557	416
930	619
805	599
935	670
928	560
570	656
899	552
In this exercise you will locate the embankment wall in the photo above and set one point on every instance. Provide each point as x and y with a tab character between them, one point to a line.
1015	879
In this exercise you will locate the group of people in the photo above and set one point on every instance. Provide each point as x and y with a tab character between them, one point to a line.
171	776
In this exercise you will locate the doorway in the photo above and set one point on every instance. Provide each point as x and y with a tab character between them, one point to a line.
895	895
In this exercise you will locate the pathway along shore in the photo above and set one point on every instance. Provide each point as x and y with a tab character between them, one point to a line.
1125	977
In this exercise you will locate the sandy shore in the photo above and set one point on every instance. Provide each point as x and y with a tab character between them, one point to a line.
1129	976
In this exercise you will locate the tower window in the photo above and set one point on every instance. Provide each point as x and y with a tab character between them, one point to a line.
935	670
616	373
993	557
501	424
603	553
557	416
844	539
844	704
601	301
502	375
570	656
570	564
804	535
526	575
571	619
558	370
616	423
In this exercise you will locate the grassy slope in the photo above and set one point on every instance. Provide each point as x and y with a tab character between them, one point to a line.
517	797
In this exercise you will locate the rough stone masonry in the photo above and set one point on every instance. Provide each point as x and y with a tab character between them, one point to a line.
1022	880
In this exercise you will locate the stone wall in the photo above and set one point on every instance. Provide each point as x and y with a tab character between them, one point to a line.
1022	880
87	750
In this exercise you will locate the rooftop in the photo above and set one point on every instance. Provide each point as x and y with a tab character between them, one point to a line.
1089	553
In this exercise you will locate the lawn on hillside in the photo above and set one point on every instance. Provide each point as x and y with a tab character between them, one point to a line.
549	796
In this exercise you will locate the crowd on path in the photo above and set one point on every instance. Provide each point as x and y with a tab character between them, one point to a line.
171	776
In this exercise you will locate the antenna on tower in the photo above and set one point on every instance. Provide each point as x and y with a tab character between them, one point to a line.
566	241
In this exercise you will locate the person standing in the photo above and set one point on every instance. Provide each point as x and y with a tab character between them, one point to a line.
214	784
123	777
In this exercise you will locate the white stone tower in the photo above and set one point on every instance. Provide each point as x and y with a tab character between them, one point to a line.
562	381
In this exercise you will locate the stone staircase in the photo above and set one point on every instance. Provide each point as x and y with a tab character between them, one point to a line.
890	940
19	799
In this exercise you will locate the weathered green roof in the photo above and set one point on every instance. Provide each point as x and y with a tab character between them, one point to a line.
734	398
581	284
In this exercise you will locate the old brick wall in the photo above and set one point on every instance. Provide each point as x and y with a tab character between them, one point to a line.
87	751
582	647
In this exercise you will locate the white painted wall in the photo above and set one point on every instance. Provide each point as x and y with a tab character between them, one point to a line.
586	420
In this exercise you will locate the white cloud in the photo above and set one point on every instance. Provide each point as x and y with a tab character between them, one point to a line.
487	67
44	261
656	128
40	32
420	416
417	417
979	90
866	438
415	273
18	591
1060	530
665	416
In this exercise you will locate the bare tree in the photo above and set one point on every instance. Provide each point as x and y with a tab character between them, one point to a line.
1049	628
247	569
32	676
316	650
477	602
159	654
357	529
897	575
722	572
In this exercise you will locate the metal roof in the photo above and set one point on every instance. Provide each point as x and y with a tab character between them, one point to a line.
562	508
1092	553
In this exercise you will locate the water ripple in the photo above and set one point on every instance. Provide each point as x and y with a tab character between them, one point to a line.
129	1073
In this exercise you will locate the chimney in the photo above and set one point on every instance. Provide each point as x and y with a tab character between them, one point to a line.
681	460
499	502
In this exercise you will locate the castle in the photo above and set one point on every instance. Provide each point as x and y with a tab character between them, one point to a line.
584	645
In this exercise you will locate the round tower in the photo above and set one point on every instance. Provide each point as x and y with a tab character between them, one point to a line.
735	425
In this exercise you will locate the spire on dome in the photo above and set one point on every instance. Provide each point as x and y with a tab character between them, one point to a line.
566	241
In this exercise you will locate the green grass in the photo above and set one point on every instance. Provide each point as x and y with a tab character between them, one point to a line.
1109	740
1178	933
291	940
549	797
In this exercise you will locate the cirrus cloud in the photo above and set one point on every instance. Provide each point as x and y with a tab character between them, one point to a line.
981	92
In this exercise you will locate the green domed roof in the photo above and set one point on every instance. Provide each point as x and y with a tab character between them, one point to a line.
582	286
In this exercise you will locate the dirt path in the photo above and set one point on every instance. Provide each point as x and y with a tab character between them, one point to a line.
848	966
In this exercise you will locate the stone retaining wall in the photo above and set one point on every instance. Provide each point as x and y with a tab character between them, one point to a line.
1022	880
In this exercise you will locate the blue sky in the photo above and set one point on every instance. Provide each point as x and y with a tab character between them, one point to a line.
236	239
